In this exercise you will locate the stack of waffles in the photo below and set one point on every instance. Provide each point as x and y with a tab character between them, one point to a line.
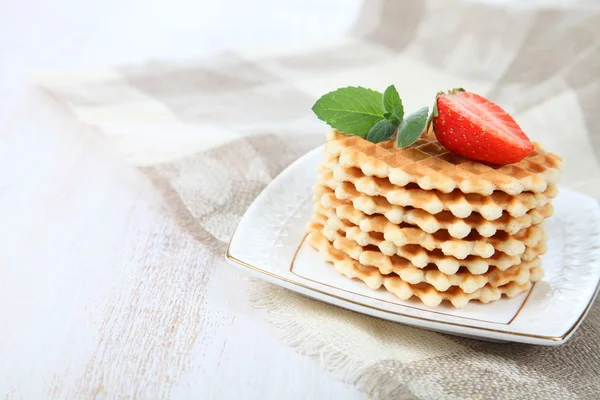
424	222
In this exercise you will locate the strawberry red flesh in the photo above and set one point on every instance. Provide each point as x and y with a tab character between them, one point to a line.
478	129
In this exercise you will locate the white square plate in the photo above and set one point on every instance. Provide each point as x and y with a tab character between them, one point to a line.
269	242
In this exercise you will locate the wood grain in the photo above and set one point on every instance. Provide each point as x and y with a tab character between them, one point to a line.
100	294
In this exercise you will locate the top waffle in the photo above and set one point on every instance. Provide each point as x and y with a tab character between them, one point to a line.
429	165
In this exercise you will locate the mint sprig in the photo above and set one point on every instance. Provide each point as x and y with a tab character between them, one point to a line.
353	110
381	131
369	114
393	104
412	127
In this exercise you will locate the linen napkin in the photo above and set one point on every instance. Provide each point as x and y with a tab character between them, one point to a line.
211	133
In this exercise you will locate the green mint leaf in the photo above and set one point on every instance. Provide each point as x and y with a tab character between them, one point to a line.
412	127
434	113
391	98
393	104
352	110
382	130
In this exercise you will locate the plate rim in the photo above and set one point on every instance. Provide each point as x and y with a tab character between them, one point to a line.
334	298
429	310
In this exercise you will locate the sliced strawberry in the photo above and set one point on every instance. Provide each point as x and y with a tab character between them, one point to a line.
478	129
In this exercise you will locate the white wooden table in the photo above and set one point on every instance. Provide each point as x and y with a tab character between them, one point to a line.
84	310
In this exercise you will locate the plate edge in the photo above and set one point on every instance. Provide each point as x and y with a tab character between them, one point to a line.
551	340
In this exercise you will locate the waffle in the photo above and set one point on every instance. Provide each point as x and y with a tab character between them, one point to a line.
429	165
419	256
457	227
401	236
467	281
427	293
460	204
